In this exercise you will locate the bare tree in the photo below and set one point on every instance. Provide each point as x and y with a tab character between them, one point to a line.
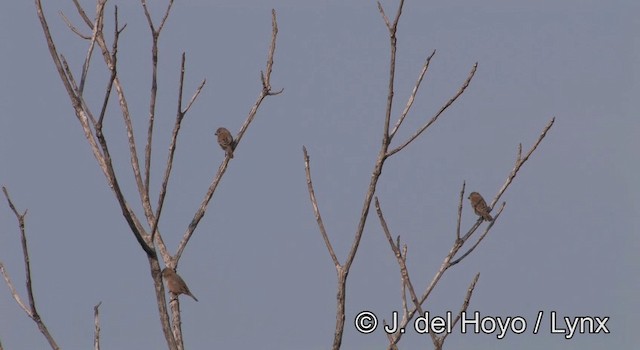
148	235
92	119
386	151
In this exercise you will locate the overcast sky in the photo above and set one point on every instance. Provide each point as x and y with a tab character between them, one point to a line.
567	241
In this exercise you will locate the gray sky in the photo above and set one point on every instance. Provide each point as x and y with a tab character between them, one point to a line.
566	242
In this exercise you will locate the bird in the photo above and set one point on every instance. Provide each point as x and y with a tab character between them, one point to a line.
480	206
175	283
225	140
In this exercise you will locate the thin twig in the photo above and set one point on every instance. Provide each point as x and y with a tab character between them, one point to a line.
405	308
72	27
437	115
266	80
113	68
520	161
14	292
83	14
97	27
32	312
464	184
96	323
412	97
384	16
465	305
316	210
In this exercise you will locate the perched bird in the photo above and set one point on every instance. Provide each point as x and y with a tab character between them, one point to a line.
225	140
480	206
175	283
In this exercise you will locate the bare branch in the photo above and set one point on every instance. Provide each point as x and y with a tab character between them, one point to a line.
437	115
97	27
25	251
194	96
32	312
14	292
384	16
180	114
161	302
72	27
404	273
266	80
150	21
392	72
464	184
412	97
465	305
520	161
448	260
405	309
155	34
316	210
124	107
96	323
398	13
484	234
83	14
166	15
113	68
265	91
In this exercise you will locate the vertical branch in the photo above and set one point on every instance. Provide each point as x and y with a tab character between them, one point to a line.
180	114
156	275
155	34
97	27
96	323
464	184
176	322
32	311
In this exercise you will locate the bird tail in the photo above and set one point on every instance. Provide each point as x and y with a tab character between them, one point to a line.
230	152
487	217
194	298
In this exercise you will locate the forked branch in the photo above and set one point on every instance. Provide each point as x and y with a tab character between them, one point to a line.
31	310
459	242
342	270
265	91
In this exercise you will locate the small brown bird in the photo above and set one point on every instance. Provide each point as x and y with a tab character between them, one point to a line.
480	206
225	140
175	283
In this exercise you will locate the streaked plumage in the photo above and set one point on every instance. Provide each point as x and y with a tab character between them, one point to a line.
225	140
480	206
